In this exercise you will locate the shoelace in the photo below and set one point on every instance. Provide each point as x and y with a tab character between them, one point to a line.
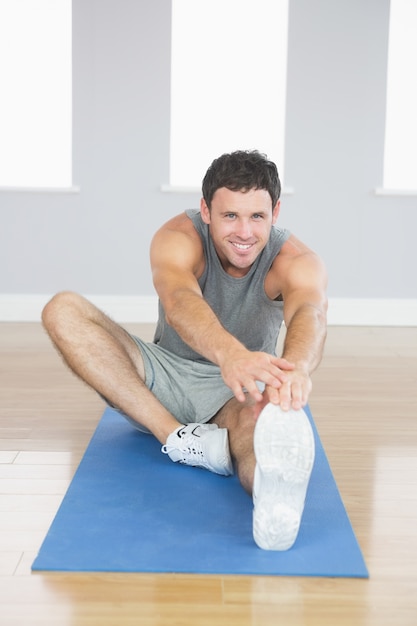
190	447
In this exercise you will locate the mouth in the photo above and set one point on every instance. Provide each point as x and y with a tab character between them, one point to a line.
242	247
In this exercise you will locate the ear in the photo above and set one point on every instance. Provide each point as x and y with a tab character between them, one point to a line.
205	211
275	211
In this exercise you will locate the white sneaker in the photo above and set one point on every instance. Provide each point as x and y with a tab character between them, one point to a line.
284	450
200	445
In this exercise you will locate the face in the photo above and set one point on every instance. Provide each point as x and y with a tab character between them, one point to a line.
240	224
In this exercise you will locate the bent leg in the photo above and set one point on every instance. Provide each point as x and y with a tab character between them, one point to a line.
103	355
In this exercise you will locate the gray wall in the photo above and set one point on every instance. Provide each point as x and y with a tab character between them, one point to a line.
96	241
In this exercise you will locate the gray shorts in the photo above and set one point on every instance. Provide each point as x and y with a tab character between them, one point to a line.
192	391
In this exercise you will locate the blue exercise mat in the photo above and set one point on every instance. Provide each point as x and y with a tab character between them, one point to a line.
129	508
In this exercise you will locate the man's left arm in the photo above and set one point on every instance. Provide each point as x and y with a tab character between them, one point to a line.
303	289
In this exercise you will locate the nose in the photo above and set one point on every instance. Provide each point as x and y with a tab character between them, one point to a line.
244	229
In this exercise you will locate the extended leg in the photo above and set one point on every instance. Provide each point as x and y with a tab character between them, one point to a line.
103	355
274	463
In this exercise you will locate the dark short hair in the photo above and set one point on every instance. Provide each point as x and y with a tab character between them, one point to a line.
241	171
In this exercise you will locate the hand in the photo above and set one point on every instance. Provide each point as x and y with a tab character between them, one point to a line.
293	393
242	369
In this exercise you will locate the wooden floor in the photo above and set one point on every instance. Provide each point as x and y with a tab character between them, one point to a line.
365	407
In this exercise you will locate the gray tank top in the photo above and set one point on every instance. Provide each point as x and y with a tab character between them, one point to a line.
241	304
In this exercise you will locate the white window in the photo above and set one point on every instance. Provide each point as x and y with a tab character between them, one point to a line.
228	83
400	157
36	93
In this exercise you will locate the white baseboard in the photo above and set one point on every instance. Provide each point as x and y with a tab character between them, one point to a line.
144	309
372	312
123	309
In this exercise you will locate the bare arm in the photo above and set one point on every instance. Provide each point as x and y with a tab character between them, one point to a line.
177	260
303	281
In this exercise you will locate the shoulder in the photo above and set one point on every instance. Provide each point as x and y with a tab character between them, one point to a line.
295	267
293	248
177	242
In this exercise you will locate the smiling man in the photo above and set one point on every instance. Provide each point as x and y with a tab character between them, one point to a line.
210	386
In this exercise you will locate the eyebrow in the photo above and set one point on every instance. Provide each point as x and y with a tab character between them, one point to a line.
252	212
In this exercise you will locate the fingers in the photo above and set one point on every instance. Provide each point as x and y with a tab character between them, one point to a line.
287	395
293	394
242	374
283	364
251	388
277	374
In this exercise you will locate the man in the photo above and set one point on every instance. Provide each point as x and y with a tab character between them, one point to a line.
226	278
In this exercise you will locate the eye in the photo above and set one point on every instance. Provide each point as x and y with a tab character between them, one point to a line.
257	216
230	216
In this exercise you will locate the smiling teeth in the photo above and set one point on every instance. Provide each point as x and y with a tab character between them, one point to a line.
242	246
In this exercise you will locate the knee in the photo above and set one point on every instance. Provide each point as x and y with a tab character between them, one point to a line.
241	425
237	416
61	307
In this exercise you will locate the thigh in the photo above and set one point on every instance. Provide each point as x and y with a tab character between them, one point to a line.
116	332
69	316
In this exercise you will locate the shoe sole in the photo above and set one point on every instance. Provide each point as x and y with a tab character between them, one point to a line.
284	450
